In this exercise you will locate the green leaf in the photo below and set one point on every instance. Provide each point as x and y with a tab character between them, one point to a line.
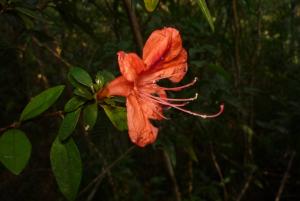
68	124
73	82
73	104
15	150
206	13
84	93
117	116
41	102
66	166
81	76
151	5
99	81
102	78
90	114
108	76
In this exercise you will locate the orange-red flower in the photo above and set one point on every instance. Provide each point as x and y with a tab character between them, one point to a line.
163	58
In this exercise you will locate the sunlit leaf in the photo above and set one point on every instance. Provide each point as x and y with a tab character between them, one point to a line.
67	167
102	78
68	124
90	114
81	76
108	76
15	150
41	102
150	5
73	104
117	116
206	13
99	81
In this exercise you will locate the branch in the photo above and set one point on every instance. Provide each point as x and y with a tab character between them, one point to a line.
93	149
12	125
101	175
236	26
134	24
52	52
245	188
17	124
219	171
171	173
285	177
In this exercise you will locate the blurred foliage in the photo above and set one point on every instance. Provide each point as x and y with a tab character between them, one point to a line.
250	63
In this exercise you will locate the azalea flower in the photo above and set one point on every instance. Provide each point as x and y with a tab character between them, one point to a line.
163	58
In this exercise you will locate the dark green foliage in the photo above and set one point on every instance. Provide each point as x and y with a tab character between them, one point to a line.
41	103
117	116
66	166
15	150
90	114
68	124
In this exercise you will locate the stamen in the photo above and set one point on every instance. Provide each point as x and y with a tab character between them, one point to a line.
180	99
161	115
204	116
157	99
180	87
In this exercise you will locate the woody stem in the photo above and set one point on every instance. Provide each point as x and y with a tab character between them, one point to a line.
134	23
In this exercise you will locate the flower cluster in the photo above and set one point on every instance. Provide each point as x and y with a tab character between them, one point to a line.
163	58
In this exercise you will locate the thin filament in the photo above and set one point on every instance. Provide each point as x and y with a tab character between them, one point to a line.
204	116
180	87
155	98
179	99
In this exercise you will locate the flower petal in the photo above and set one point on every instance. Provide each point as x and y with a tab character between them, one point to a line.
173	70
162	46
152	110
156	46
120	86
141	131
179	66
130	65
175	45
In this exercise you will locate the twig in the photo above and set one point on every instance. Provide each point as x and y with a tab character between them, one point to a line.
219	171
101	175
236	26
93	148
254	61
134	24
172	176
52	52
59	113
12	125
245	188
17	124
285	177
